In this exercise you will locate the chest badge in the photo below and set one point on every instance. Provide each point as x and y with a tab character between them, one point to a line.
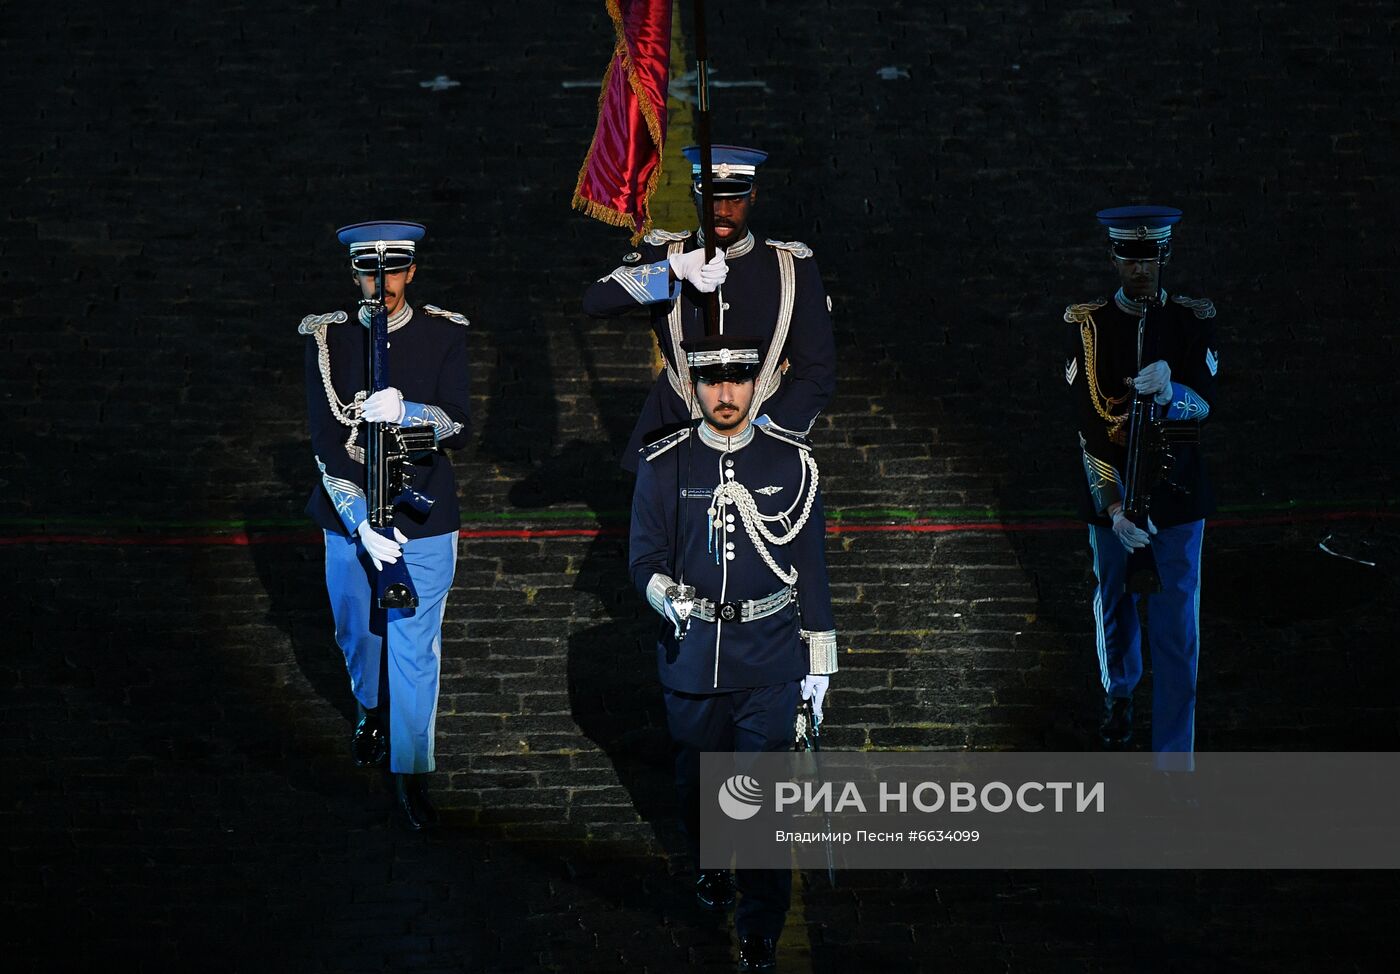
769	491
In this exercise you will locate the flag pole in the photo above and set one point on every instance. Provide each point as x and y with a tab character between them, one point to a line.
702	134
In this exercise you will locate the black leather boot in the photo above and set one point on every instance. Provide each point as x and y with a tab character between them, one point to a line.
420	797
1116	723
369	745
758	954
415	812
714	890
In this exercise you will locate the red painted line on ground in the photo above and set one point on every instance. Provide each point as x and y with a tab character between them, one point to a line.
951	527
243	538
529	534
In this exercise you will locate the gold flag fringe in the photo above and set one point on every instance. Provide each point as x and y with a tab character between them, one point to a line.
602	211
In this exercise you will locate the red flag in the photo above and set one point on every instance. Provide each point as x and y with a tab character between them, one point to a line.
623	164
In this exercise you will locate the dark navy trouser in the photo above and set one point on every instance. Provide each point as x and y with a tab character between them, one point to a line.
757	719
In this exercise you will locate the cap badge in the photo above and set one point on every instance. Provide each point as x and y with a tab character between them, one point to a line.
1141	233
724	356
722	170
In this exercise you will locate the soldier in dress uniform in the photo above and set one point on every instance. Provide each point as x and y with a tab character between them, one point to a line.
428	368
727	545
770	290
1104	369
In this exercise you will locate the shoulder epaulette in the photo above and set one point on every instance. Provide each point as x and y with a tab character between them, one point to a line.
451	316
786	436
1200	307
658	237
795	247
1077	314
311	324
653	450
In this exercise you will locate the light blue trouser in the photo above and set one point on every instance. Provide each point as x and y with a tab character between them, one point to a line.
414	637
1173	628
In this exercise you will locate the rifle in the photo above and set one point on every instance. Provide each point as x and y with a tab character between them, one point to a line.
1150	438
702	137
388	454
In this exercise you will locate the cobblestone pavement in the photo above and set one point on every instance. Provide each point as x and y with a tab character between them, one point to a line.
173	709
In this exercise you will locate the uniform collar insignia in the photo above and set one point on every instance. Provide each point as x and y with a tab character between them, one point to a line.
733	250
1134	308
725	443
396	320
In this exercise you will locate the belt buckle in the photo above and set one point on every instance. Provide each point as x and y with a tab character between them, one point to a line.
729	611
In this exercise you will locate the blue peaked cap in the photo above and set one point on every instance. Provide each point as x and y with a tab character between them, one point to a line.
1140	231
400	243
732	167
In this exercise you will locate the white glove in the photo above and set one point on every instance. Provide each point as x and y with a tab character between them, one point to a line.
691	266
380	548
1129	535
814	688
1155	380
385	406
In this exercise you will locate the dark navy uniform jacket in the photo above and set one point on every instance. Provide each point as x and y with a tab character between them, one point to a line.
428	364
1101	353
754	296
682	471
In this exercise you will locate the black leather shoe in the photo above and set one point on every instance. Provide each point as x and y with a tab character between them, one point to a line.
369	745
419	785
1116	724
714	890
411	804
758	954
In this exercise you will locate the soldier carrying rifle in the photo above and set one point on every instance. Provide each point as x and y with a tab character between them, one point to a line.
387	501
1141	349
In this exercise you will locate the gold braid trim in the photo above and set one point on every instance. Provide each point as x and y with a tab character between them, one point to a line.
601	211
1103	405
1076	313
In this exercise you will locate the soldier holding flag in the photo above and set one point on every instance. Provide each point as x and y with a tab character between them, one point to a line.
769	290
693	286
